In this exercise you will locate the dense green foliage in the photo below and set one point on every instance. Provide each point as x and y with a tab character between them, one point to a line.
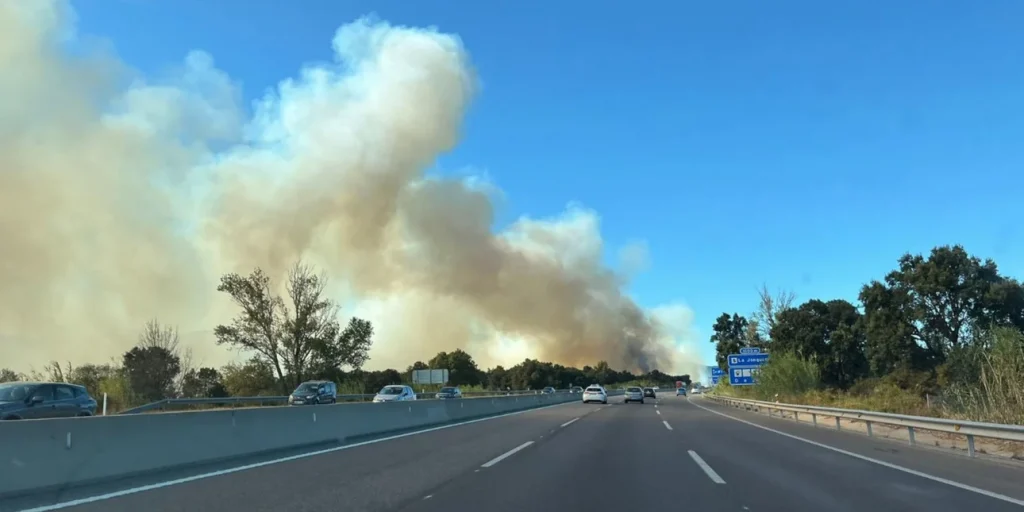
942	334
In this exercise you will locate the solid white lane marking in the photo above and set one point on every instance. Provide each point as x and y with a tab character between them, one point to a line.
667	425
203	476
570	422
506	455
707	469
865	458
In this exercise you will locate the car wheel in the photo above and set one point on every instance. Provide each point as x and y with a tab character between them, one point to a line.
641	402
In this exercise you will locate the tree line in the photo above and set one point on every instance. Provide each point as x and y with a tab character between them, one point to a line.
949	324
289	339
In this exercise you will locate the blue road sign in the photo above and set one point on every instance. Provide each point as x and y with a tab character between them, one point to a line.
748	360
742	376
716	371
750	350
715	379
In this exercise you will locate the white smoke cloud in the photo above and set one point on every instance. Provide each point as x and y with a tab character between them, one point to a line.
123	198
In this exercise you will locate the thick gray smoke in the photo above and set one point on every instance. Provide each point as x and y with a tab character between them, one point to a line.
122	203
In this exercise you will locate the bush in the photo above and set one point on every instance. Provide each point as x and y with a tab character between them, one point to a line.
987	384
787	375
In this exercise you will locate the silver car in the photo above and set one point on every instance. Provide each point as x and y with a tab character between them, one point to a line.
634	394
395	393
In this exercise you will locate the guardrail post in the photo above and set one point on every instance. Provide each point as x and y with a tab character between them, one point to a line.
814	419
838	425
796	416
910	431
868	423
970	445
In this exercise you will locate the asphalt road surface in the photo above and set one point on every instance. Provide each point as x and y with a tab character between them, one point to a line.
672	454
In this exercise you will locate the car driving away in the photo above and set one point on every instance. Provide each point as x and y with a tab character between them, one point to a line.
595	393
649	393
680	391
548	390
634	394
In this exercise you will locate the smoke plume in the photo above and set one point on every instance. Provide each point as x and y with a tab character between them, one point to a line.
123	199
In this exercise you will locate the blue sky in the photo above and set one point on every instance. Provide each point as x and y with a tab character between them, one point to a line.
797	144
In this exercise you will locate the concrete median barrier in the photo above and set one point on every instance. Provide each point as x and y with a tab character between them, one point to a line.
41	455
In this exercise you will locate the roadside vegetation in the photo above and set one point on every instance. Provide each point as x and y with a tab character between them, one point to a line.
289	339
941	335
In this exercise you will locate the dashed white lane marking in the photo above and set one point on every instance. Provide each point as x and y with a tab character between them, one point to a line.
707	469
667	425
228	471
570	422
659	413
506	455
865	458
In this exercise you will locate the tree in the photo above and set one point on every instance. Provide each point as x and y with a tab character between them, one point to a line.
54	372
203	383
768	310
730	334
349	348
9	375
92	376
166	337
497	378
288	338
829	333
462	370
890	330
935	305
156	335
255	377
151	372
260	326
310	323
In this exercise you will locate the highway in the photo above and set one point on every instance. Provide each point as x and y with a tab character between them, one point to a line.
670	454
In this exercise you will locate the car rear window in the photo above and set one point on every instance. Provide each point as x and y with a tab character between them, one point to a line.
593	390
634	390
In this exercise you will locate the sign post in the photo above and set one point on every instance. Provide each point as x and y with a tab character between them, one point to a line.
716	374
743	367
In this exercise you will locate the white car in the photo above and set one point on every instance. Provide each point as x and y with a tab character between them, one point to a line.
395	393
634	394
595	393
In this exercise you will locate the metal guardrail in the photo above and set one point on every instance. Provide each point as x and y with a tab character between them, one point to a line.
169	403
968	429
